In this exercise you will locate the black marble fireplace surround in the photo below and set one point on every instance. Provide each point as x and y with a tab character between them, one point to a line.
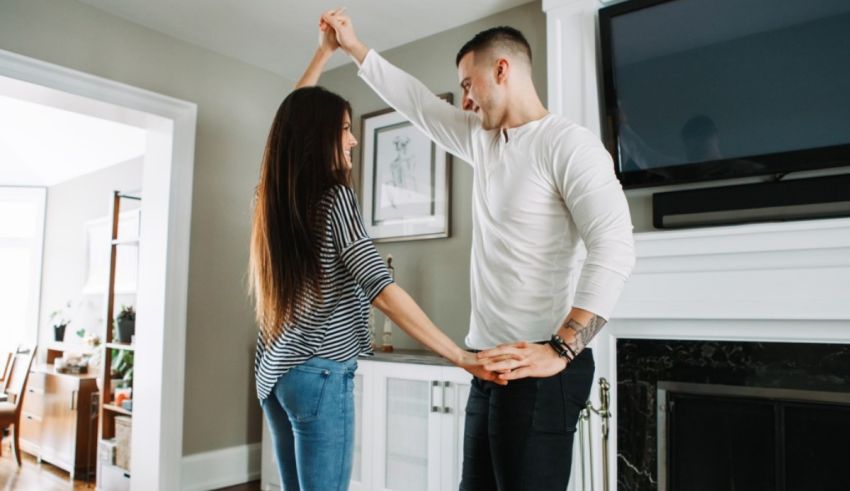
642	363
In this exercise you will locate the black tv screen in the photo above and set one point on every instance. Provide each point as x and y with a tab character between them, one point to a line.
697	90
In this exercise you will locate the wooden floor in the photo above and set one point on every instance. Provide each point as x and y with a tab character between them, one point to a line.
32	476
248	486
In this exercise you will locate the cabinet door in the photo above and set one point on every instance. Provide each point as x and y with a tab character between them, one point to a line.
361	470
407	427
59	421
455	386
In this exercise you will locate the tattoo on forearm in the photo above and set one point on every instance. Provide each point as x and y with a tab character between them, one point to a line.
582	334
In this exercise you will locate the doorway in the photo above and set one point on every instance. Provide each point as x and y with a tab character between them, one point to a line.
169	125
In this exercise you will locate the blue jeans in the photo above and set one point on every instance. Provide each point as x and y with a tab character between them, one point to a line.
311	416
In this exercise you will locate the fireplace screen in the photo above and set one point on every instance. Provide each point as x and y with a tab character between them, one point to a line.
716	437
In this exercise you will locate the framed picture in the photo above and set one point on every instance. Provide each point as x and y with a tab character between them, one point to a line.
405	179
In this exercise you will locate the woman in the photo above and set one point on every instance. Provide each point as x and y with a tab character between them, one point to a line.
314	272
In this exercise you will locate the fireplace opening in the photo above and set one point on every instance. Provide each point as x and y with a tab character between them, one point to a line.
720	437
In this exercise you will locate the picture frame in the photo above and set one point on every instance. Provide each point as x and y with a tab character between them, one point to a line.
405	179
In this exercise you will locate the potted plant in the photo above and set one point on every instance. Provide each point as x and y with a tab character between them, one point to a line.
122	368
60	321
92	341
125	324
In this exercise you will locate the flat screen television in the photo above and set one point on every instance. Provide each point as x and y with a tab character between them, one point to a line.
698	90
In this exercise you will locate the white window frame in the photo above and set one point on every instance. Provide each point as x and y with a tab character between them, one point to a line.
38	197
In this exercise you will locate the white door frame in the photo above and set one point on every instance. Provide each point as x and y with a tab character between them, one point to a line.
157	449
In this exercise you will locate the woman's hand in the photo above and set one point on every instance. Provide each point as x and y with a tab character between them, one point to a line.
472	364
519	360
342	26
327	36
327	45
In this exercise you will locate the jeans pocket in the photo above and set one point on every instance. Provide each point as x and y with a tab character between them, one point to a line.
561	398
303	388
549	412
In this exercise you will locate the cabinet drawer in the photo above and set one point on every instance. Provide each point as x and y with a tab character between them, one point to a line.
114	478
30	428
34	402
36	380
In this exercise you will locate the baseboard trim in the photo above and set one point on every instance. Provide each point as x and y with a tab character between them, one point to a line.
221	468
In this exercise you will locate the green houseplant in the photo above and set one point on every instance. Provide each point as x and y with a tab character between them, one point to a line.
59	319
122	367
125	324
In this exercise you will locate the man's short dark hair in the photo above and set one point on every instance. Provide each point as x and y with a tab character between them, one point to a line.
502	36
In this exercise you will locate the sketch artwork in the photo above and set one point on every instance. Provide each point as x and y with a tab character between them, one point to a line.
405	179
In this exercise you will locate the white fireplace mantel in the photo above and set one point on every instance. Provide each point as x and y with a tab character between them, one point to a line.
771	282
771	271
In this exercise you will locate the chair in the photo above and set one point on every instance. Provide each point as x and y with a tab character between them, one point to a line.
5	361
5	364
10	412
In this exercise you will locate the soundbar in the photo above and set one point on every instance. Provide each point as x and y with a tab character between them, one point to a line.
798	199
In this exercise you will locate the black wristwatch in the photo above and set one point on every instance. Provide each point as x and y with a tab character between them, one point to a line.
562	348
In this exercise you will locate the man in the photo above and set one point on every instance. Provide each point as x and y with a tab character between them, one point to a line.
542	187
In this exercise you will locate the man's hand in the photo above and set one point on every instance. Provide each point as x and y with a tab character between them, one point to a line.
344	29
327	37
476	367
521	360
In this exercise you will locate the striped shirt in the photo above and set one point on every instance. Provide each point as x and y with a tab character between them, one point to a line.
353	274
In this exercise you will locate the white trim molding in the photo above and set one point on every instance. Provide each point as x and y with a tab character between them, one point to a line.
37	197
157	447
571	60
222	468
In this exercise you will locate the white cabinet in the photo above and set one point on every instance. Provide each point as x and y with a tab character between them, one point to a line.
408	431
364	397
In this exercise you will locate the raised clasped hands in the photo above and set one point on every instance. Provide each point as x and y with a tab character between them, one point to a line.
327	35
522	359
340	24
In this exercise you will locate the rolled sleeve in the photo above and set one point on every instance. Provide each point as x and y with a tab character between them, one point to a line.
355	247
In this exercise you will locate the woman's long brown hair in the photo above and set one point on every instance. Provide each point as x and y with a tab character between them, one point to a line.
303	158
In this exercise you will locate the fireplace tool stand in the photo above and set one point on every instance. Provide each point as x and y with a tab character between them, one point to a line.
584	426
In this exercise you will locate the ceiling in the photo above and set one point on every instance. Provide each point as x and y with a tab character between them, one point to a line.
279	35
41	145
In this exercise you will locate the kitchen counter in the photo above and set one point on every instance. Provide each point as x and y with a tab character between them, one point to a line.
418	357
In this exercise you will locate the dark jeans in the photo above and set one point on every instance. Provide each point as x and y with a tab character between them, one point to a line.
520	436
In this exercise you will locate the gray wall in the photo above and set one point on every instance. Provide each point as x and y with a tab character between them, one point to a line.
236	103
436	272
70	205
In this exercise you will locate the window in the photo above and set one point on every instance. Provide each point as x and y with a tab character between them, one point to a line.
21	242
